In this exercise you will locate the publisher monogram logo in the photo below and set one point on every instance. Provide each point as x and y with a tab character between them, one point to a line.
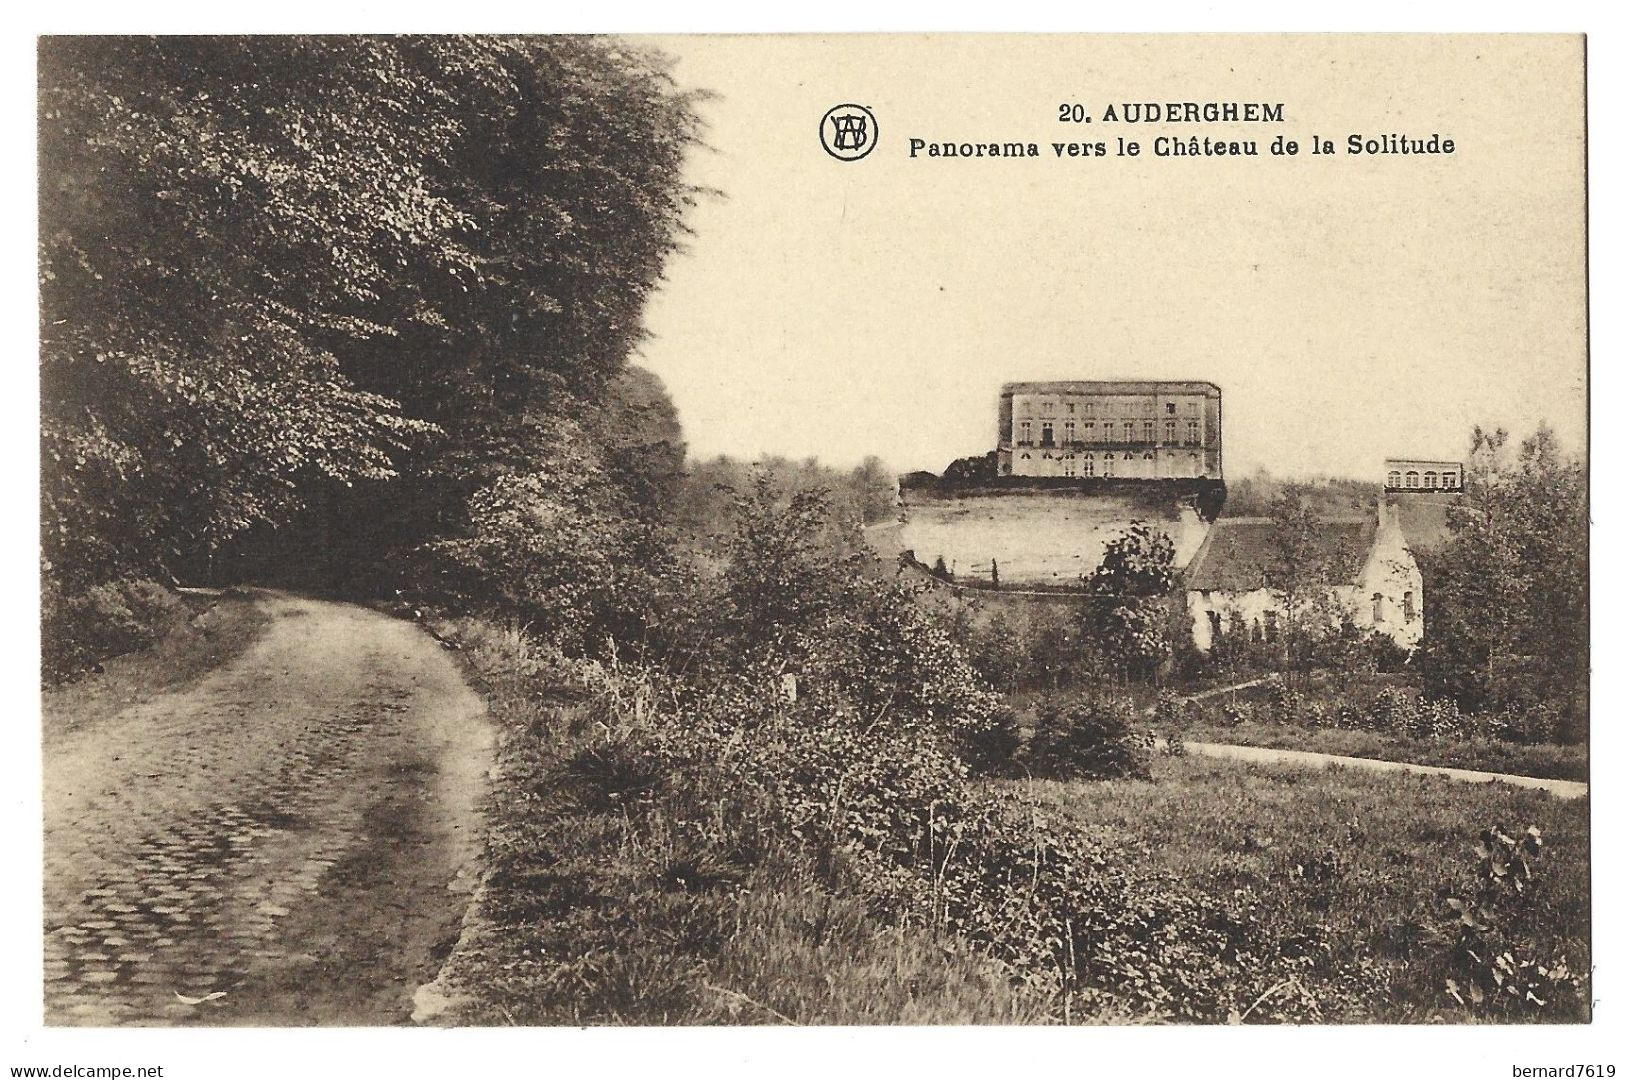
848	132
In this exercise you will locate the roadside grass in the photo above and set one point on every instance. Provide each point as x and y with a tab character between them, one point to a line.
641	907
1367	859
1552	761
199	634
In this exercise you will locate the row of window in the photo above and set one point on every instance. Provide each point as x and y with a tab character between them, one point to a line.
1106	408
1108	463
1426	480
1108	432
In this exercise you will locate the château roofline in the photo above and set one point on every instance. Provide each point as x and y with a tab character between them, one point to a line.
1108	386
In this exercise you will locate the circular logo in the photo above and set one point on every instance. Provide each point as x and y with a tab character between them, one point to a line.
848	132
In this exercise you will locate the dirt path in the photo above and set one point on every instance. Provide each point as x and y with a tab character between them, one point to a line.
281	842
1262	755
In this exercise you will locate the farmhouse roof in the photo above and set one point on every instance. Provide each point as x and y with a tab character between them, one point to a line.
1238	553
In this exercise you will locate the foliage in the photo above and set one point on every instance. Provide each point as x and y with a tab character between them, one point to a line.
78	630
282	275
1258	493
788	573
1089	738
794	598
1137	563
1328	880
1493	971
1299	574
559	549
1508	610
968	471
1383	708
1129	621
704	503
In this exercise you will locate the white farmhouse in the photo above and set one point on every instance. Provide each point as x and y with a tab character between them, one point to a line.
1230	585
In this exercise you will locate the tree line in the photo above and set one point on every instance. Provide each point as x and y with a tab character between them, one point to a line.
332	309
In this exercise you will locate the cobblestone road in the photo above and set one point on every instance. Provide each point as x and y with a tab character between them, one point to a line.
281	843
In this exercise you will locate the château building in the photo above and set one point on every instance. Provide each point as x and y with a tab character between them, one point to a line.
1148	430
1416	474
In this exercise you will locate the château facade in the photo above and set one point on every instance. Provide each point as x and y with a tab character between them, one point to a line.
1417	474
1147	430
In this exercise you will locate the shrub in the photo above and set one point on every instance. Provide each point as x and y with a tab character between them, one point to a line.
78	630
1094	738
1284	704
1173	711
1493	973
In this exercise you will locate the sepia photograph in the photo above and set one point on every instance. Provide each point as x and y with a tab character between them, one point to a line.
855	530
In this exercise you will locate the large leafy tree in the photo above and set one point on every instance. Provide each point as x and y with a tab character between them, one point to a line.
1128	621
1300	570
1507	598
281	274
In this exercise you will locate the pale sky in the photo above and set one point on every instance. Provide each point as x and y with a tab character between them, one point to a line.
1351	308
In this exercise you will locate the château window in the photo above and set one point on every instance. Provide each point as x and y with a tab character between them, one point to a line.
1089	431
1088	408
1393	479
1192	435
1068	466
1110	429
1448	480
1071	432
1168	430
1026	433
1107	466
1411	479
1410	607
1376	608
1150	431
1047	434
1071	408
1170	408
1430	479
1088	464
1128	457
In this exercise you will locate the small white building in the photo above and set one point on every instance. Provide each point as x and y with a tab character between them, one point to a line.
1233	584
1423	474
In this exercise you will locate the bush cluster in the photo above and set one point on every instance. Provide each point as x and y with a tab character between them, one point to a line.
1388	710
1094	738
885	808
79	629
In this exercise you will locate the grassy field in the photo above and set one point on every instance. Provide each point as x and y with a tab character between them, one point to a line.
1366	860
594	913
